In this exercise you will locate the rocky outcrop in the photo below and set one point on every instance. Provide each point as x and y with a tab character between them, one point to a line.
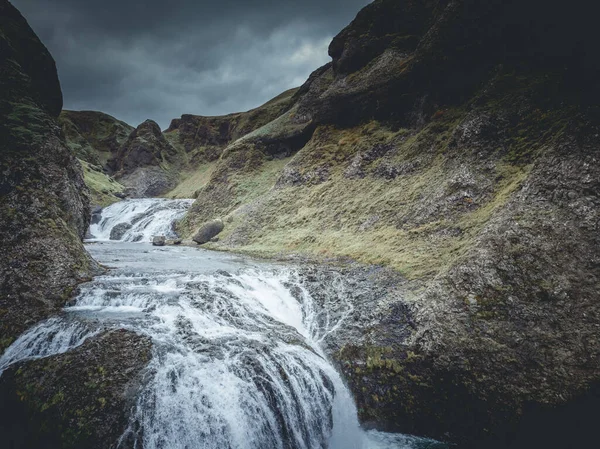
205	138
444	142
80	399
95	137
147	163
44	205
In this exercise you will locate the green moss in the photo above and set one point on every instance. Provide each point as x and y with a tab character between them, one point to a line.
102	187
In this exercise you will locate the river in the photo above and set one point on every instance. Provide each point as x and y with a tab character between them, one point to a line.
237	343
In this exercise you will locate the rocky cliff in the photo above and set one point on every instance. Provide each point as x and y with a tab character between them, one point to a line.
147	164
79	399
44	206
456	142
204	138
120	160
95	137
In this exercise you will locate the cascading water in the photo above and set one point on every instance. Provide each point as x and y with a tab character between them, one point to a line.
237	358
138	220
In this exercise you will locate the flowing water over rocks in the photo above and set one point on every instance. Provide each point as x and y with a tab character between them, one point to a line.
138	220
237	360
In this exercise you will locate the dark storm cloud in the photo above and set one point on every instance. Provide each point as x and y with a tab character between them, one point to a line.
154	59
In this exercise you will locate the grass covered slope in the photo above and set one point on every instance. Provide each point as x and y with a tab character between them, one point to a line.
440	146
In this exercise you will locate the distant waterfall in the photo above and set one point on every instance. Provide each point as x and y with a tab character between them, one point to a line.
138	220
237	360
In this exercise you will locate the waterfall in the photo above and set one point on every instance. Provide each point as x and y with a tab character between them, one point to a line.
237	357
138	220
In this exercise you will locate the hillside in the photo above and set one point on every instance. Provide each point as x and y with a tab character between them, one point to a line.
444	142
121	161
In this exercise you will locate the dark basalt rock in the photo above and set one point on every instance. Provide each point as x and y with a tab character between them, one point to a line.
119	231
140	159
395	53
44	205
80	399
493	128
205	138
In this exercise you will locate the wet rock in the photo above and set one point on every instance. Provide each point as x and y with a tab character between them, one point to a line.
208	231
159	240
80	399
119	231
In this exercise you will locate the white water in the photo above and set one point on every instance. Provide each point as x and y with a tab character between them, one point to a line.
145	218
237	359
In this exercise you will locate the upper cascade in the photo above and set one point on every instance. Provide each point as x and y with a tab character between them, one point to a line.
138	220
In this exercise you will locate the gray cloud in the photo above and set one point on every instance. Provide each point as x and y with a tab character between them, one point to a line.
139	59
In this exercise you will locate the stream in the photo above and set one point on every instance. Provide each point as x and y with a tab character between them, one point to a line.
237	356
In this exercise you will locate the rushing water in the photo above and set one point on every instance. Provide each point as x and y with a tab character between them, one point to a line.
237	359
139	220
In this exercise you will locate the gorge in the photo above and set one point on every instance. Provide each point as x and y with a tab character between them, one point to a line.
409	245
237	354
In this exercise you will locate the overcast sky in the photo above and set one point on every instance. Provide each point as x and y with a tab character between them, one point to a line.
158	59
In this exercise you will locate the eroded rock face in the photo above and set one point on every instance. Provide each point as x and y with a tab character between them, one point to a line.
147	162
80	399
205	138
395	53
44	206
95	137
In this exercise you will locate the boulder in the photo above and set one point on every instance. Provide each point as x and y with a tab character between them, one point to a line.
119	231
159	240
208	231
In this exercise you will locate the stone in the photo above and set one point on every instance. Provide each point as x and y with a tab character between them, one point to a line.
159	240
88	389
208	231
119	231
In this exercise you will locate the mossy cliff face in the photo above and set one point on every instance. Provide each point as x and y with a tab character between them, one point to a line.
44	207
95	137
88	407
441	142
204	138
